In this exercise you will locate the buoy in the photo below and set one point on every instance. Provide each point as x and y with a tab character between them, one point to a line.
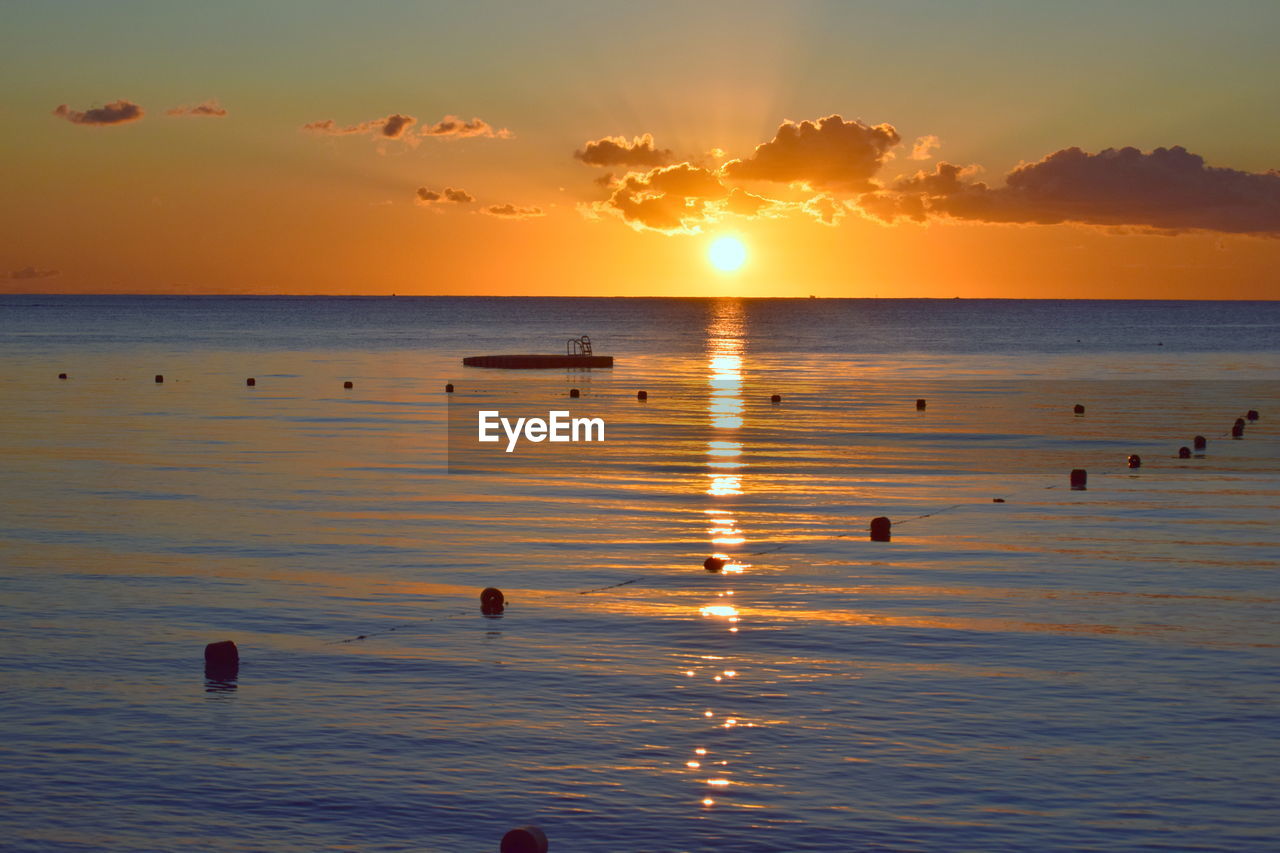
1079	478
642	395
997	500
524	839
492	601
713	564
1239	422
251	382
1198	442
1078	409
1135	461
1184	452
348	384
159	378
920	404
1253	415
221	660
575	393
448	388
776	398
1237	431
62	376
880	529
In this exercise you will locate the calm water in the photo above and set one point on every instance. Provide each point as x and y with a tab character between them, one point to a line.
1068	670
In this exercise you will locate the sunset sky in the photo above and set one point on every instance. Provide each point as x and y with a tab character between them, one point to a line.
1008	149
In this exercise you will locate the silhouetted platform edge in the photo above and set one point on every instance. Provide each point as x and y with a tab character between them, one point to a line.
537	362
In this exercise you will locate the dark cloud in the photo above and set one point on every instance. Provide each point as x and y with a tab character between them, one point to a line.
1168	189
450	195
452	127
116	112
394	126
28	273
616	151
511	211
210	108
830	153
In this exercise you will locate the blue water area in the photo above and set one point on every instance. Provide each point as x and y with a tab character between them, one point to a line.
1064	670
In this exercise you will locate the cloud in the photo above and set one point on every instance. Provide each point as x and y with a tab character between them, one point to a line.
394	126
1168	189
924	147
452	127
671	199
448	196
28	273
510	211
830	153
210	108
825	209
616	151
116	112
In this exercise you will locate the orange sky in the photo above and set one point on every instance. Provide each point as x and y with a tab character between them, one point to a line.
856	151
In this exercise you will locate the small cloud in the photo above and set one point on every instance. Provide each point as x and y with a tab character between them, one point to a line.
450	195
924	147
116	112
825	209
511	211
393	126
210	108
28	273
452	127
616	151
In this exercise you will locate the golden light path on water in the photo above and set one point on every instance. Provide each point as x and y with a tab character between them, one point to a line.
725	481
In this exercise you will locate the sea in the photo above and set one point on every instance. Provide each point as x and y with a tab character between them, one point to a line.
1023	666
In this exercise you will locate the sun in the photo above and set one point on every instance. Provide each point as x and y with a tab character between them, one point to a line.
727	254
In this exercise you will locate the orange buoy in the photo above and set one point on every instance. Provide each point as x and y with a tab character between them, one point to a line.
348	384
524	839
642	395
159	378
1198	442
1078	409
880	529
1079	479
713	564
1184	452
251	382
448	388
920	404
492	601
776	398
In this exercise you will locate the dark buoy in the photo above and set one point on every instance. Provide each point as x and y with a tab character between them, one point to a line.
348	384
1079	478
159	378
880	529
642	395
1184	452
776	398
448	388
1253	415
1135	461
713	564
1198	442
221	660
1078	409
575	393
997	500
62	376
492	601
524	839
251	382
1237	430
920	404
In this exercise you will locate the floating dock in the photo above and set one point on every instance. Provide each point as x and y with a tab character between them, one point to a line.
537	362
577	353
